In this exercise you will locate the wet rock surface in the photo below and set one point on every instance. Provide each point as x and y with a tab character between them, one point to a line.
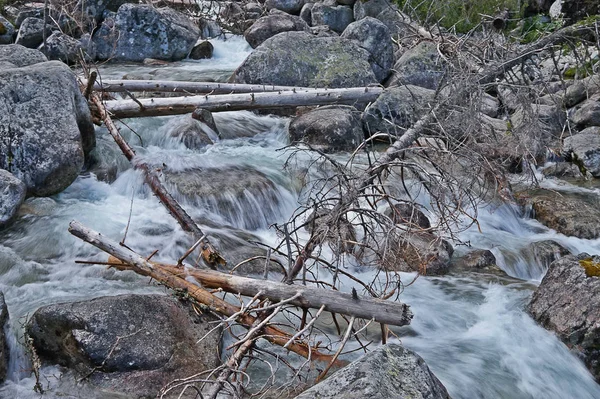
12	195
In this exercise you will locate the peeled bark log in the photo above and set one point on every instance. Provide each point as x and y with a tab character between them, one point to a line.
237	102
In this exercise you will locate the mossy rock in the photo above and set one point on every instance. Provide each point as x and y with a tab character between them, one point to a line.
592	269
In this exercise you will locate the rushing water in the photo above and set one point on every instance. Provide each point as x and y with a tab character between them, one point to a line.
471	329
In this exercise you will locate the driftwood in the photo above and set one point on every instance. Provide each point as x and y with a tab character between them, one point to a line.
210	255
237	102
168	86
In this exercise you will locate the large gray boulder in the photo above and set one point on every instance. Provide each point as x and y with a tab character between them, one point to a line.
301	59
568	303
336	17
128	344
31	32
396	109
63	48
95	9
45	126
12	195
372	35
419	66
270	25
7	31
20	56
288	6
386	11
389	372
330	128
588	114
584	149
137	32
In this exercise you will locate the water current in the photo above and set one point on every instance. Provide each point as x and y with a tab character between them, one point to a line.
472	330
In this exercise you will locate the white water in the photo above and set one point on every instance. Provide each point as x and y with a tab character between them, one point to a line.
471	329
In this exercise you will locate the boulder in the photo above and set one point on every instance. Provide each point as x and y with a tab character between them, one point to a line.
20	56
419	66
563	170
202	50
415	252
31	32
4	351
538	127
408	214
209	29
270	25
12	195
386	11
45	126
330	128
372	35
588	114
390	371
336	17
301	59
581	90
63	48
288	6
252	10
192	133
128	344
137	32
583	149
568	303
95	9
547	251
402	106
306	13
479	260
7	31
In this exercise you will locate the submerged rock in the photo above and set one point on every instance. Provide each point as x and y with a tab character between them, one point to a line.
129	344
12	195
568	303
390	371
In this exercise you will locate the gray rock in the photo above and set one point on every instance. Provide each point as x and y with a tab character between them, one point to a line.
209	29
581	90
21	56
415	252
538	127
301	59
31	32
568	303
202	50
547	251
306	13
330	128
191	132
562	170
584	149
322	31
385	11
402	106
45	126
372	35
479	260
4	351
289	6
270	25
12	195
63	48
252	10
340	235
151	339
95	9
419	66
390	371
337	18
7	31
140	31
405	213
588	114
489	105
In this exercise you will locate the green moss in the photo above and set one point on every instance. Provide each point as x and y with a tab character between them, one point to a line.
592	269
537	26
589	20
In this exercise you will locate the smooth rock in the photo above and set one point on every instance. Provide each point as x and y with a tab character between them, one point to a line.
301	59
390	371
336	17
45	126
202	50
419	66
95	9
21	56
209	29
12	195
7	31
588	114
270	25
329	128
31	32
372	35
135	344
583	149
568	303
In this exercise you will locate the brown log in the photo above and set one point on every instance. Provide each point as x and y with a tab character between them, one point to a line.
133	261
210	255
238	102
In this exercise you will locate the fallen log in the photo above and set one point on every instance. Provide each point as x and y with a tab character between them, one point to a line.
136	263
158	86
238	102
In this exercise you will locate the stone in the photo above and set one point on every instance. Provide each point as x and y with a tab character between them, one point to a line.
390	371
12	195
7	31
372	35
336	17
581	90
202	50
385	11
538	127
301	59
252	10
137	32
31	32
340	235
402	106
415	252
568	303
45	126
329	129
322	31
63	48
419	66
20	56
563	170
588	114
192	133
547	251
95	9
288	6
583	149
489	105
477	260
134	344
209	29
306	13
404	213
4	350
270	25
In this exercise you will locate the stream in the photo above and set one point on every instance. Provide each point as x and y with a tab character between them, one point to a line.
471	329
